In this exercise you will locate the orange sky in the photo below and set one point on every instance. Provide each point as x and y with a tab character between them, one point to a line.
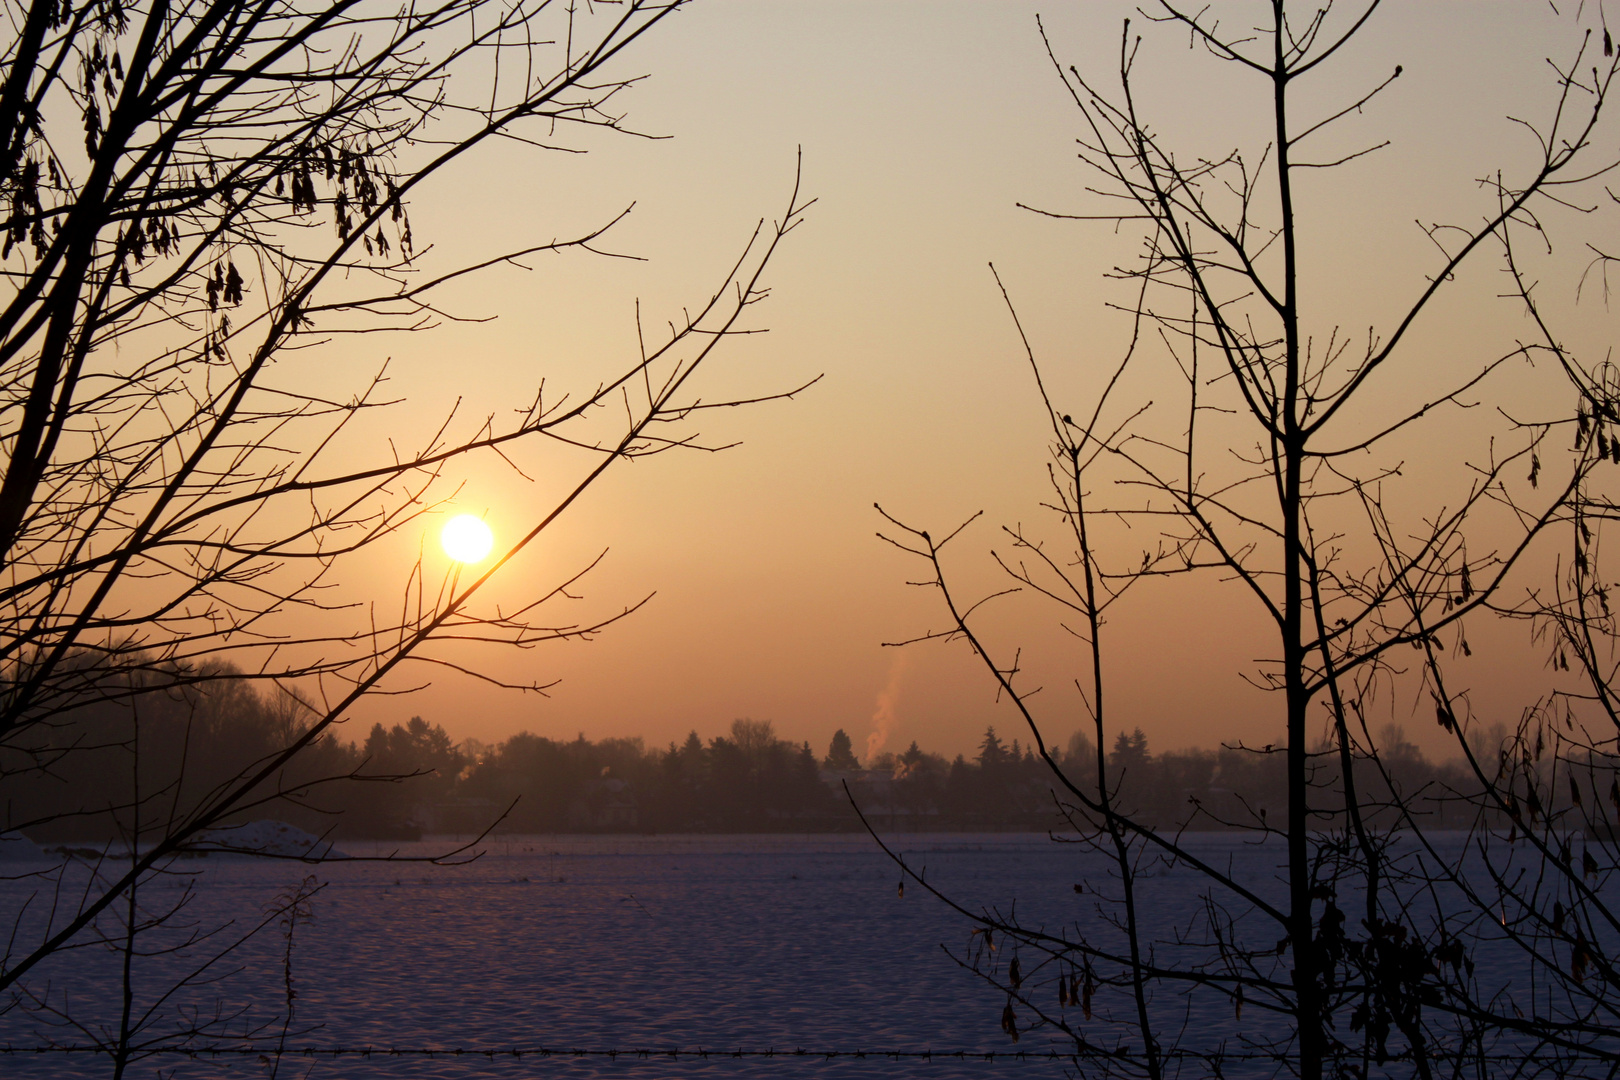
921	126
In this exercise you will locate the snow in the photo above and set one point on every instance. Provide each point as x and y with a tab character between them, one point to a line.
603	942
15	846
266	838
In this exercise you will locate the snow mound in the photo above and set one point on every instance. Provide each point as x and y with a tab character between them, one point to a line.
265	838
14	845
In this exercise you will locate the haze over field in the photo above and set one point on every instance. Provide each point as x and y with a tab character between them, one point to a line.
921	127
428	439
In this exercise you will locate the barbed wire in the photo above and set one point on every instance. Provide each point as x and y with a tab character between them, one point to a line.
637	1053
676	1053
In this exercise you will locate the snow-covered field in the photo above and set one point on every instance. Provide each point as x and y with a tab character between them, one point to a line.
601	943
597	942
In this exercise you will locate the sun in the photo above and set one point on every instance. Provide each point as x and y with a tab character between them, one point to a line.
466	538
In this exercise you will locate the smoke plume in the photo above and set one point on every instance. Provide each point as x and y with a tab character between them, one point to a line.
883	717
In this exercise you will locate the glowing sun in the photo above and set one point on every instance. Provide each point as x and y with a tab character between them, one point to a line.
466	538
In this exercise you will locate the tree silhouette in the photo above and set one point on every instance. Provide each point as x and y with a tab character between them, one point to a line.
840	753
193	197
1286	459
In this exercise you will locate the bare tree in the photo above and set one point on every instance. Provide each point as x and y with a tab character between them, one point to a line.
194	193
1359	937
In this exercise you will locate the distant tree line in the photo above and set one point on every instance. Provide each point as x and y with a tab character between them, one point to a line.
158	746
165	751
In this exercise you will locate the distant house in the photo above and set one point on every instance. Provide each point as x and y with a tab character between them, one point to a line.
884	797
603	805
871	787
455	816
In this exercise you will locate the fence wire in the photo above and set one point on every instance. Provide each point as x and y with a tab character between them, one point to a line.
639	1053
492	1053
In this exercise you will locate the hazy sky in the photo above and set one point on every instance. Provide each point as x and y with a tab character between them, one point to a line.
921	124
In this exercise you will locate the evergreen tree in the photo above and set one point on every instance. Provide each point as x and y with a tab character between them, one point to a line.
1130	751
992	754
840	753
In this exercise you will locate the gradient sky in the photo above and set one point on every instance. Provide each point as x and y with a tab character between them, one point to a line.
921	126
